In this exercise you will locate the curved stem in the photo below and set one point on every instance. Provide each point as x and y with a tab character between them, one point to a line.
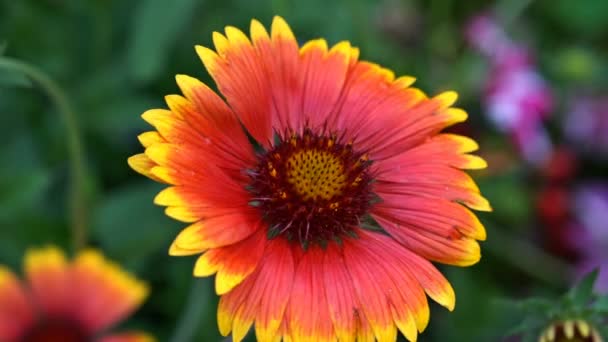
77	198
189	322
528	258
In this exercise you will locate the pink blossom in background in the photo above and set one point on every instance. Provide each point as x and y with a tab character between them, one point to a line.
591	237
586	125
516	97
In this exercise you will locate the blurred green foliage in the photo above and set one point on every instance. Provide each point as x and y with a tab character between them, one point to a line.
116	59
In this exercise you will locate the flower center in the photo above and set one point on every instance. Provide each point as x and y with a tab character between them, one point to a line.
56	330
316	174
312	187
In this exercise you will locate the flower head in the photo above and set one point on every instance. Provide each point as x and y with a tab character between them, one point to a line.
319	193
68	302
570	331
586	123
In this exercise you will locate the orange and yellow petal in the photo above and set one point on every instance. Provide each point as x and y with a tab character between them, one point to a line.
16	310
371	294
308	309
230	263
325	72
262	297
344	307
431	181
431	280
455	249
133	336
47	271
438	216
218	231
239	74
105	293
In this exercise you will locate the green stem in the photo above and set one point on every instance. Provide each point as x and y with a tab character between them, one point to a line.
77	198
528	258
197	303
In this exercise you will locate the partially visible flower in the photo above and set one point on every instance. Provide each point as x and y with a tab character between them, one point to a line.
318	193
586	125
61	301
577	316
591	238
517	99
574	218
570	331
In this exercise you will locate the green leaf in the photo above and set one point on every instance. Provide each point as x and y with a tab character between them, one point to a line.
530	324
586	20
156	26
601	304
129	226
581	293
537	305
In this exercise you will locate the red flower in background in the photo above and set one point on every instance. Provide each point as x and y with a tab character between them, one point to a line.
68	302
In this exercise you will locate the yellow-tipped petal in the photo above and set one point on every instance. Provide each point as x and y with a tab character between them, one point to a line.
569	329
209	58
455	115
48	258
446	99
182	214
204	267
140	163
280	29
474	163
169	197
583	328
404	81
319	44
240	328
258	31
236	37
221	43
224	320
149	138
550	334
175	250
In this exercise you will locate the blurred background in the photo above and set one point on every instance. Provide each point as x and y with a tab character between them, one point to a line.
533	76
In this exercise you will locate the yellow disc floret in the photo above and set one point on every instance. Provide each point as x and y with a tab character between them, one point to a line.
315	174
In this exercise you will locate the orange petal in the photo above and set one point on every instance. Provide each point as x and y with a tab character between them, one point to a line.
431	181
230	263
371	292
240	76
16	313
324	74
308	311
47	271
105	293
454	249
218	231
403	294
344	307
436	216
433	282
262	297
143	165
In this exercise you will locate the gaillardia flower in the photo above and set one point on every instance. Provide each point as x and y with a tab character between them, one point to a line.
318	193
570	331
63	301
